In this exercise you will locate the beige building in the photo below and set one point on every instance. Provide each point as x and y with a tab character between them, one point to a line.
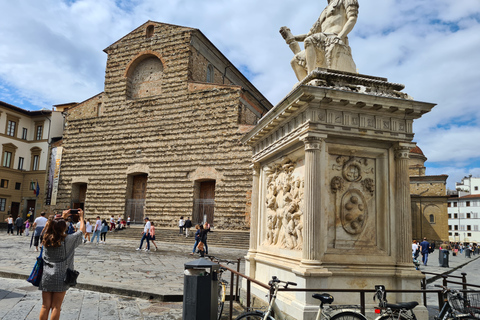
163	139
24	140
429	200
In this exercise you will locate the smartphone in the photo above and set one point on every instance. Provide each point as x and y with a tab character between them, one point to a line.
73	211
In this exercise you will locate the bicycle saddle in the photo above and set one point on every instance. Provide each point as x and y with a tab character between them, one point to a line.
402	305
324	297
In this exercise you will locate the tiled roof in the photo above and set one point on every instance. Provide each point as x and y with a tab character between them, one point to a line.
416	150
471	196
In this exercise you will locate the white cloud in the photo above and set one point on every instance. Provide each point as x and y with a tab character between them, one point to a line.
51	52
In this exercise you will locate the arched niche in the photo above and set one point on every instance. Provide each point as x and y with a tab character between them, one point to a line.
144	76
150	31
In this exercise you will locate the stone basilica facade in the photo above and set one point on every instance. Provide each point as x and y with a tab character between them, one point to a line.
163	139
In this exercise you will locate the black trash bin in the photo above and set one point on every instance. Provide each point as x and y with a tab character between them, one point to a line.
200	290
468	253
443	258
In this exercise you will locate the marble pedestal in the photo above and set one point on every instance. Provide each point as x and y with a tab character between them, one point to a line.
331	197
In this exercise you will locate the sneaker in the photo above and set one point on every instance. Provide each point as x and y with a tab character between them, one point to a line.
138	249
156	248
146	250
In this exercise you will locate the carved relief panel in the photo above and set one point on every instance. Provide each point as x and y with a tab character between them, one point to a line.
284	202
352	195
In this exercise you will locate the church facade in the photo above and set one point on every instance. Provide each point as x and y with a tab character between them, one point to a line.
163	139
428	194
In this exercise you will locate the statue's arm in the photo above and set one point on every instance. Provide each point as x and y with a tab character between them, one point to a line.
352	15
300	37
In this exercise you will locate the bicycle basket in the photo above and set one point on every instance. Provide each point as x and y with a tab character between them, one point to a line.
471	305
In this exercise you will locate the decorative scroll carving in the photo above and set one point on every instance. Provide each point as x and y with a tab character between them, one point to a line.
284	201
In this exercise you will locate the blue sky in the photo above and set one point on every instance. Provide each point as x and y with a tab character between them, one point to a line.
51	53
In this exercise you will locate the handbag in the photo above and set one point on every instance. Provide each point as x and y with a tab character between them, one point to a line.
71	276
36	276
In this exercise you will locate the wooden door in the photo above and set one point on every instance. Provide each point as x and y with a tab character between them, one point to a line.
135	205
139	187
205	203
14	211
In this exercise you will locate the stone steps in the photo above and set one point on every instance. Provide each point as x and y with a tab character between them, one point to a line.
219	238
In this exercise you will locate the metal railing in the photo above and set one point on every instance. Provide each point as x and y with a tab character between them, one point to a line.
234	296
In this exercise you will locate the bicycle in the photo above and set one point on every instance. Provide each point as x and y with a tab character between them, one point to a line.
400	311
340	312
459	306
455	306
222	284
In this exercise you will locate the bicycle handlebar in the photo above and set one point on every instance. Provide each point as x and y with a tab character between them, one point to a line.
212	258
274	280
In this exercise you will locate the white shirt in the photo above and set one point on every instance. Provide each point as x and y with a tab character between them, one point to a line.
89	227
98	225
414	247
41	221
181	223
147	227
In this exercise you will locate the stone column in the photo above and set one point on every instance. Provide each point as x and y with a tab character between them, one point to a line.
254	216
403	217
312	218
254	207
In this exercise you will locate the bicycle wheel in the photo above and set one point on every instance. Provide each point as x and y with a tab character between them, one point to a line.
348	315
222	288
252	315
394	317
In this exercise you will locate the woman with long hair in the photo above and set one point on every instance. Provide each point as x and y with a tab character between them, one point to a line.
59	250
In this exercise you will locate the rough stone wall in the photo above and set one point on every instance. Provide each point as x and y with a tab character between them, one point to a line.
429	188
198	70
168	136
86	109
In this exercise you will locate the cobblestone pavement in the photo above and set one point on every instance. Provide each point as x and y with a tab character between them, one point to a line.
116	267
116	281
19	300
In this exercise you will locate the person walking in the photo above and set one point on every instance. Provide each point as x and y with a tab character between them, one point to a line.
58	256
152	235
97	229
27	228
181	224
9	221
89	231
187	226
104	230
425	245
37	227
19	225
145	235
128	222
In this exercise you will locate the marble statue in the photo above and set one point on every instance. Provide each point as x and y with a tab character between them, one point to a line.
326	44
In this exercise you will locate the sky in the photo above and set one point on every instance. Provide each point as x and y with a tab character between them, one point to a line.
51	52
